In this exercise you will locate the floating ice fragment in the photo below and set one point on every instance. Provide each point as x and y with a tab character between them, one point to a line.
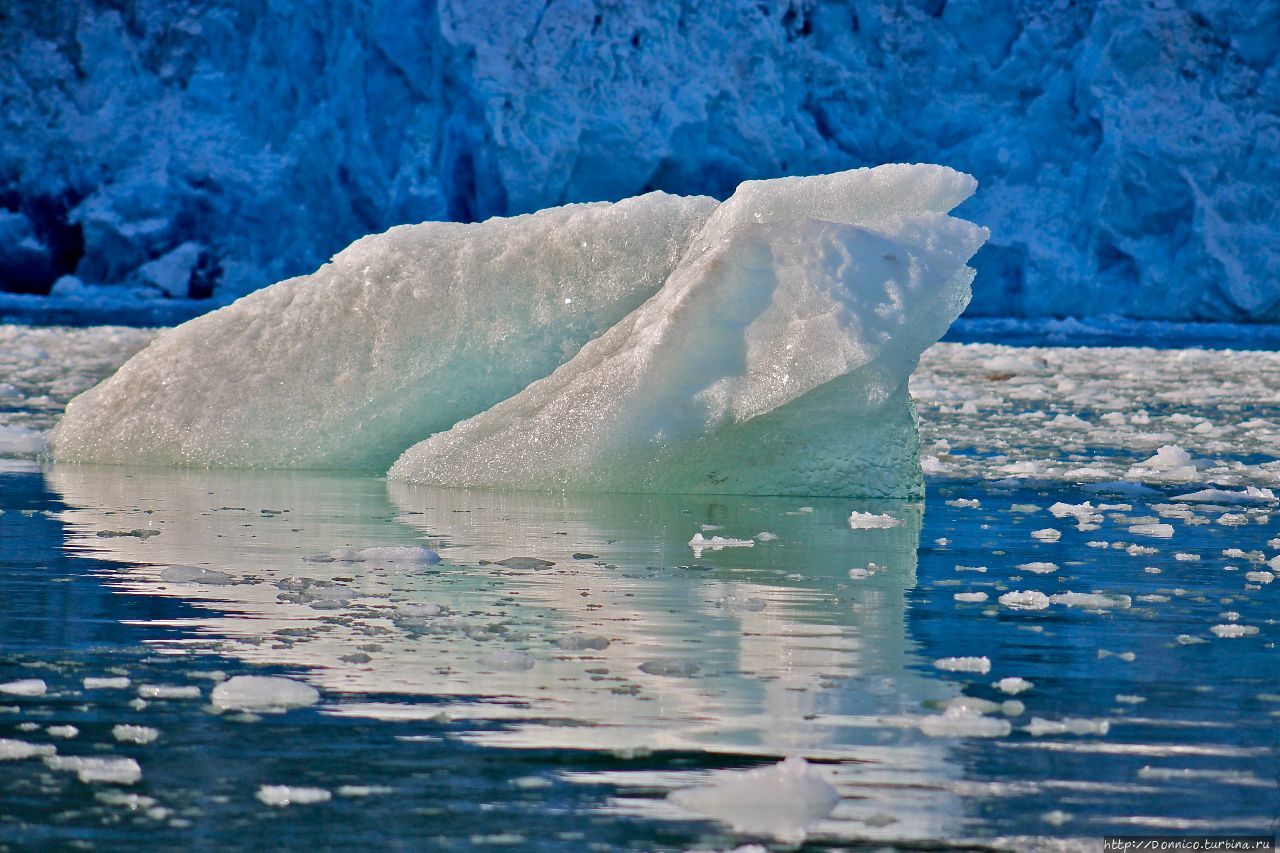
263	693
1159	531
970	597
289	795
24	687
1048	534
1013	685
765	536
872	521
1025	600
15	750
782	800
980	665
963	721
134	734
1233	631
582	642
1039	567
1091	600
525	563
715	543
505	660
1067	725
1250	494
398	554
116	771
168	691
62	731
670	668
195	574
1260	577
971	503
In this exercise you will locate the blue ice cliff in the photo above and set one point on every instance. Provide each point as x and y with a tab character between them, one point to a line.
1129	152
660	344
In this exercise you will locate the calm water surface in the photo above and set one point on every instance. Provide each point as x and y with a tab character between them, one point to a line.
1144	713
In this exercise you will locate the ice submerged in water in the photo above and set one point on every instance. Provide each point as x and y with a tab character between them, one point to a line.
660	344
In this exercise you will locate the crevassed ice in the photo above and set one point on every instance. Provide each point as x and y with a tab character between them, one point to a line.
758	346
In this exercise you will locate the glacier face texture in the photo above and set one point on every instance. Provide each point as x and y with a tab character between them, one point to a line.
660	344
1128	151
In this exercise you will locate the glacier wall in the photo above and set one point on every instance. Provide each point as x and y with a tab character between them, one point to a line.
1127	150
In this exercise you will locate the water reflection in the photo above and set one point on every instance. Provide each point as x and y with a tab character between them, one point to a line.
780	651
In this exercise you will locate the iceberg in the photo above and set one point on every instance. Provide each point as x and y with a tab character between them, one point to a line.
660	344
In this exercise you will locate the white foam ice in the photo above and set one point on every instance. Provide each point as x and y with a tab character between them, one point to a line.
980	665
783	800
24	687
263	693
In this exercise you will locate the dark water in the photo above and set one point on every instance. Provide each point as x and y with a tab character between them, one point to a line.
794	656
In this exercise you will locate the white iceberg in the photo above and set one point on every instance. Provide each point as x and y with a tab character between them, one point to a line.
759	346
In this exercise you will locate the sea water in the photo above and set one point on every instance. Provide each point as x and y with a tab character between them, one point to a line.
1022	659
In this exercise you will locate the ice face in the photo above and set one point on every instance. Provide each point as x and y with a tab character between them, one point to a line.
774	363
403	334
770	357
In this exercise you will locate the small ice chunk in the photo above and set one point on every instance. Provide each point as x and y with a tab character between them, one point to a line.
1025	600
1091	600
108	682
1159	531
24	687
1013	685
290	795
14	750
62	731
1260	577
1047	534
168	691
263	693
1233	631
1067	726
715	543
964	721
582	642
971	568
670	668
980	665
766	536
1251	494
134	734
872	521
525	563
1039	567
114	770
970	597
398	554
971	503
782	800
195	574
506	660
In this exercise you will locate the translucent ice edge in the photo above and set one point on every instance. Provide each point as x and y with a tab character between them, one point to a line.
761	345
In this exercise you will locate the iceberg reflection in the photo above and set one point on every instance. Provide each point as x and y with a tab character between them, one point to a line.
795	645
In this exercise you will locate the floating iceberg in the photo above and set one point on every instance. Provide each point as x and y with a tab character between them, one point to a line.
762	346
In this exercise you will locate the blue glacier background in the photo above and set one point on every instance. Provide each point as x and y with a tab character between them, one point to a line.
1126	151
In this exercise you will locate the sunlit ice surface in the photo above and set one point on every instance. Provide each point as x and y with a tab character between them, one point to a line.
1026	659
